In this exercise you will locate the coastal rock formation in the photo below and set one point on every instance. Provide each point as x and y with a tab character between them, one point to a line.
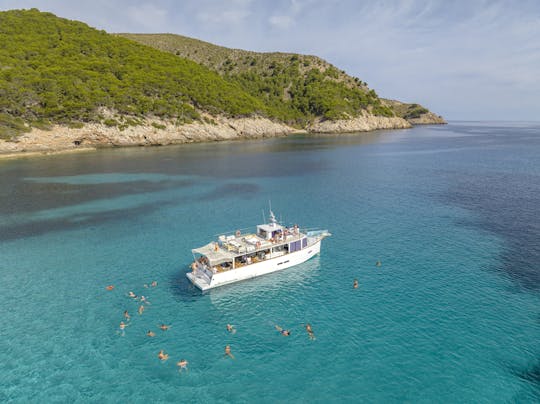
363	123
414	113
428	118
94	135
157	132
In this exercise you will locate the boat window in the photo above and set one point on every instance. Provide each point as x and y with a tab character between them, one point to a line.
295	246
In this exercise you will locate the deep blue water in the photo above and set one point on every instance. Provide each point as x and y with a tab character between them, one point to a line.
452	315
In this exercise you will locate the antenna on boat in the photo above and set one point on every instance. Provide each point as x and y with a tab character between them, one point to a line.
264	218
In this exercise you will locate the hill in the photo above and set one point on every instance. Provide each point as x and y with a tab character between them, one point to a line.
53	70
295	87
291	83
95	88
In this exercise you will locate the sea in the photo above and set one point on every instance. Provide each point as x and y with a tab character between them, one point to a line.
452	314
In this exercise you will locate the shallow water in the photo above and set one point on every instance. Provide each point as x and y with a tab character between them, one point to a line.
453	313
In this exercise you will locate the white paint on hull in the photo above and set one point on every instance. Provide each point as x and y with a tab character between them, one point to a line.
258	269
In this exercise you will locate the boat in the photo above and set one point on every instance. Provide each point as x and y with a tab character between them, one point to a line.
238	256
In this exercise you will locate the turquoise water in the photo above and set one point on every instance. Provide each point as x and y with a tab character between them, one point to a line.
452	315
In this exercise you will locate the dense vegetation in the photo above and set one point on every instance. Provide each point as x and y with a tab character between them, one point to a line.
56	70
295	88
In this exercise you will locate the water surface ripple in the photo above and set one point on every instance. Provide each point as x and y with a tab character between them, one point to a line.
452	315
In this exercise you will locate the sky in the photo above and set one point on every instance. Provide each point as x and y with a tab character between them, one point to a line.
462	59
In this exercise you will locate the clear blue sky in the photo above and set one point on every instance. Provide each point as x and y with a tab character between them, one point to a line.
471	60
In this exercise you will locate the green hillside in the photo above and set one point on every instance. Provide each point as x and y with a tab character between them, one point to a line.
53	70
57	71
294	87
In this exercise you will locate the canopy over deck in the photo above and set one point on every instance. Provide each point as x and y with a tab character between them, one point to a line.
215	257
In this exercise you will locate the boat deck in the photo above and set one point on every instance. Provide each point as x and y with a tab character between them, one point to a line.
227	248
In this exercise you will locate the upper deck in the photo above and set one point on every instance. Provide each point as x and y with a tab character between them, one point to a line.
227	248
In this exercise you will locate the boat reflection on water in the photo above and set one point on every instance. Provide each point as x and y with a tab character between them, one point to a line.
277	283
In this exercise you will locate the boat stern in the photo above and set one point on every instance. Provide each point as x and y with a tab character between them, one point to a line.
199	282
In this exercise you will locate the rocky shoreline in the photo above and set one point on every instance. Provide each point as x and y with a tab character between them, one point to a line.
61	139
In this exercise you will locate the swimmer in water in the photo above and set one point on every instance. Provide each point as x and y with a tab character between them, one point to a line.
283	332
110	287
132	295
141	309
122	328
150	334
143	300
228	352
153	284
310	331
378	263
162	356
355	284
164	327
231	329
126	315
182	365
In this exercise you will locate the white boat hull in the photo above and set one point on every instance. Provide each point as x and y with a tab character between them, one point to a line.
261	268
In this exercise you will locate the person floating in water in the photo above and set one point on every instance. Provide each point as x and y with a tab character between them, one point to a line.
378	263
126	315
110	287
163	356
355	284
143	300
150	333
164	327
122	328
132	295
153	284
283	332
182	365
231	329
141	309
310	331
228	352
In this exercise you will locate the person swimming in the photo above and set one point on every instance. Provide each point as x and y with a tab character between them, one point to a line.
110	287
153	284
163	356
150	333
228	352
132	295
182	364
355	284
378	263
141	309
143	300
231	329
283	332
310	331
122	328
126	315
164	327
